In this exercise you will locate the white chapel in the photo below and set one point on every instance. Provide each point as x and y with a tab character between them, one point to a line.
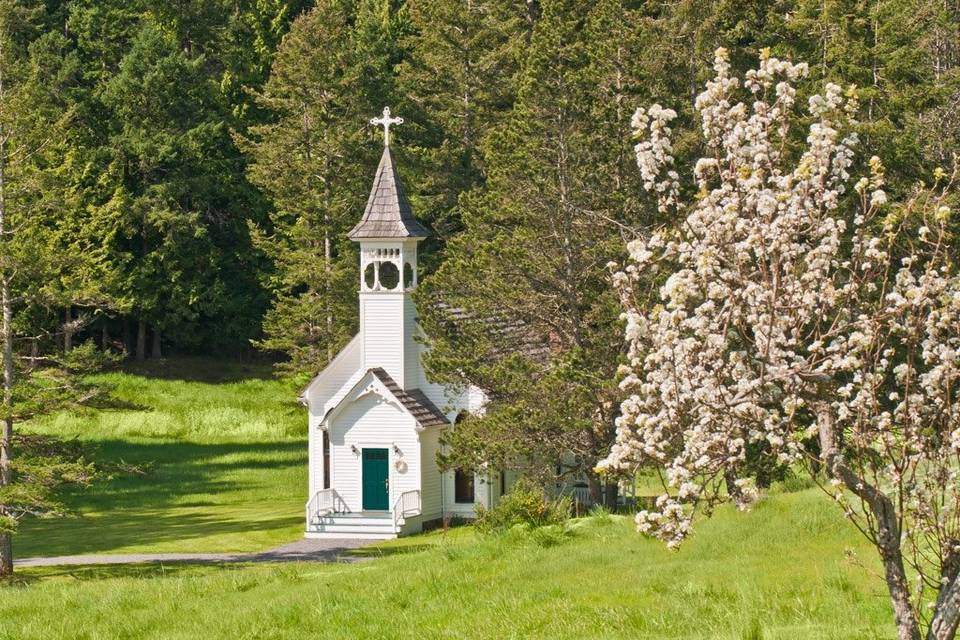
374	419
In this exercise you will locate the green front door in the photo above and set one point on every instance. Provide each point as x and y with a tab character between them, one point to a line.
376	491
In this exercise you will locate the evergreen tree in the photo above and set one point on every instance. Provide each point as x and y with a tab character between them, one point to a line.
32	123
226	305
314	160
902	55
458	82
533	323
179	200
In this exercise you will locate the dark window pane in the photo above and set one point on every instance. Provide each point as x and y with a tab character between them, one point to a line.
326	460
463	487
389	275
369	276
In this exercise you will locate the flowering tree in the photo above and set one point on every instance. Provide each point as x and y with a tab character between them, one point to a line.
796	324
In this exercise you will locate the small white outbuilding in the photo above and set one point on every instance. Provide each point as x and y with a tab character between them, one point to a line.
374	419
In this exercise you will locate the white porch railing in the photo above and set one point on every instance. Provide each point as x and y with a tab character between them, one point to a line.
408	504
324	502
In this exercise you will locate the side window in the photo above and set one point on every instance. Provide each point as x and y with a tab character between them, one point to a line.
463	487
326	460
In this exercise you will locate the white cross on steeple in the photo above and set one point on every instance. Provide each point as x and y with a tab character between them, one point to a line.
386	121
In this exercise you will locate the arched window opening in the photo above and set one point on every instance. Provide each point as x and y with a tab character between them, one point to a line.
389	275
407	275
370	276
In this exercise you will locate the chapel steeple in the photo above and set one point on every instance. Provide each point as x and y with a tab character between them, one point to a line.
388	235
388	213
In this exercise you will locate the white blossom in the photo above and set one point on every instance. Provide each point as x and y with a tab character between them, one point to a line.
786	315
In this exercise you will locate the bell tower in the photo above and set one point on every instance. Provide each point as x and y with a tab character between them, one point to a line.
388	235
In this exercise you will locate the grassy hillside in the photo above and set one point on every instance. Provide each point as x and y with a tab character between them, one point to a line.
778	572
229	475
226	446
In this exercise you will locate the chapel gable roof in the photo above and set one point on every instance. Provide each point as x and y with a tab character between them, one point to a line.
388	213
414	400
511	335
348	360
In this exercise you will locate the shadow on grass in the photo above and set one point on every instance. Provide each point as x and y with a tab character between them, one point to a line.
199	369
32	575
224	483
109	402
394	550
19	579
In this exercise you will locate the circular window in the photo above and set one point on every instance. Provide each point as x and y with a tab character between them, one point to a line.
407	275
389	275
369	276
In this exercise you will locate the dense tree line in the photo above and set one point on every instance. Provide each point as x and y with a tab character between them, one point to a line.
202	160
149	238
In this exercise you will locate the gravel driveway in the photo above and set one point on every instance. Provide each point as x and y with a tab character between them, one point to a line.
300	551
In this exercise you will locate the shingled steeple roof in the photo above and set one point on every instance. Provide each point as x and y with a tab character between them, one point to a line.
388	213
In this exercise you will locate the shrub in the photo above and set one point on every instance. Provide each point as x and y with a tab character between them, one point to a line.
525	504
601	515
794	482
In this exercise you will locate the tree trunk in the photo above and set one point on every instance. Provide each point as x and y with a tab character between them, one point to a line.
141	352
610	492
6	438
533	15
67	329
327	242
896	577
328	269
155	351
887	525
946	613
6	554
596	490
730	481
6	336
104	337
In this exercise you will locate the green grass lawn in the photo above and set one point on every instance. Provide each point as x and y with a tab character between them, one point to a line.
226	445
229	473
777	572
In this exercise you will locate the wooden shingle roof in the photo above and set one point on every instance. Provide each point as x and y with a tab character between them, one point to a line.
388	213
414	400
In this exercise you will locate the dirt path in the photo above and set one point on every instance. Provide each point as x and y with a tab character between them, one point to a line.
299	551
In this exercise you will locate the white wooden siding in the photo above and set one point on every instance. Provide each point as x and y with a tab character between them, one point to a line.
324	393
412	366
430	480
386	339
315	456
374	423
340	393
464	510
335	381
382	322
335	377
450	400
